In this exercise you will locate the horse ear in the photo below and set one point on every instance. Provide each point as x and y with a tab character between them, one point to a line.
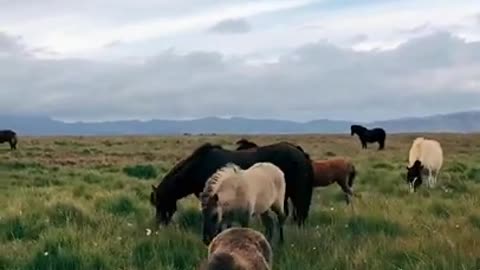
154	188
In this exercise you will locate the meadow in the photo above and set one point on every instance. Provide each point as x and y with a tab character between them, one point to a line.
83	203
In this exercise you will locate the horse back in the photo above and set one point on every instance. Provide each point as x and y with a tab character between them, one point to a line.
331	170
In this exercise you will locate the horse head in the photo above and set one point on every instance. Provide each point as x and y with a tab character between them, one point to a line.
212	216
356	129
414	175
165	207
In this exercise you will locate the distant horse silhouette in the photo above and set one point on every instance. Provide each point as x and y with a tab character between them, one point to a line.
335	170
424	154
235	195
369	135
244	144
239	249
9	136
190	175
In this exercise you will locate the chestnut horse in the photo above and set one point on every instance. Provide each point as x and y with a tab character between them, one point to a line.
335	170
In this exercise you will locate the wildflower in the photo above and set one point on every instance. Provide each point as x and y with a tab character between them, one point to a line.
148	232
119	238
129	224
314	248
457	226
45	253
331	209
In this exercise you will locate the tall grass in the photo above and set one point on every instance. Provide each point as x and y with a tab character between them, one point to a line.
77	203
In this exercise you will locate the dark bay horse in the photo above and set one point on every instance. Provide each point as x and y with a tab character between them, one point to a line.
190	175
369	135
9	136
244	144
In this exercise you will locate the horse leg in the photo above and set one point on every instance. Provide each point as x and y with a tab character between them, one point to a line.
245	219
276	208
268	223
430	178
347	190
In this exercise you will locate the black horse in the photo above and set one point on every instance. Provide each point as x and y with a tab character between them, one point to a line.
189	176
9	136
244	144
369	135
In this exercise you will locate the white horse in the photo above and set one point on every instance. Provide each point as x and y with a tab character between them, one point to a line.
239	248
424	154
233	194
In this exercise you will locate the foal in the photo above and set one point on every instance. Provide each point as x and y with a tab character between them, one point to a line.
339	170
232	194
239	249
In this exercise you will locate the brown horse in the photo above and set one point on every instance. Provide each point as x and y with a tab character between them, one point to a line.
339	170
239	249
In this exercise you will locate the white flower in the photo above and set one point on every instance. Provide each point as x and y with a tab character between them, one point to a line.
129	224
119	238
331	209
148	232
45	253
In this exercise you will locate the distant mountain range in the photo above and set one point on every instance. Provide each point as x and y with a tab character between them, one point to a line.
463	122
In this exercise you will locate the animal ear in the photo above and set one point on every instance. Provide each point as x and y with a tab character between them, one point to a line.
154	188
215	198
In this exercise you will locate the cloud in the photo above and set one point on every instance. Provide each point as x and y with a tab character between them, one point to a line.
88	26
231	26
432	74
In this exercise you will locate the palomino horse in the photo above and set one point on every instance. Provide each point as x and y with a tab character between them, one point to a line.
369	135
424	154
189	176
239	249
335	170
232	194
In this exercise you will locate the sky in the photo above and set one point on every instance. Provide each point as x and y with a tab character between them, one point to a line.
299	60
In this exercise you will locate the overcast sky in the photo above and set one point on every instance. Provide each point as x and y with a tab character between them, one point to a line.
300	60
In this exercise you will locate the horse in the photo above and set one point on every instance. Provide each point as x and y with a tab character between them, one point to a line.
326	172
232	194
189	176
9	136
369	135
424	154
335	170
244	144
239	249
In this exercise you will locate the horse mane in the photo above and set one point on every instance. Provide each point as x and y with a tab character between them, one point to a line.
214	181
201	150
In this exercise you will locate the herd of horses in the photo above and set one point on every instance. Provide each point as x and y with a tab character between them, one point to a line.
256	180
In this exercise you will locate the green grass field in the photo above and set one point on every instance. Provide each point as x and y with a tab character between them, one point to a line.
83	203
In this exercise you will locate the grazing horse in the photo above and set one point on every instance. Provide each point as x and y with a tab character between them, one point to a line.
244	144
239	249
189	176
424	154
232	194
369	135
9	136
339	170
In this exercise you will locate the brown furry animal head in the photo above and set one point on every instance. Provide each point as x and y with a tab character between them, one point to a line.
239	249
